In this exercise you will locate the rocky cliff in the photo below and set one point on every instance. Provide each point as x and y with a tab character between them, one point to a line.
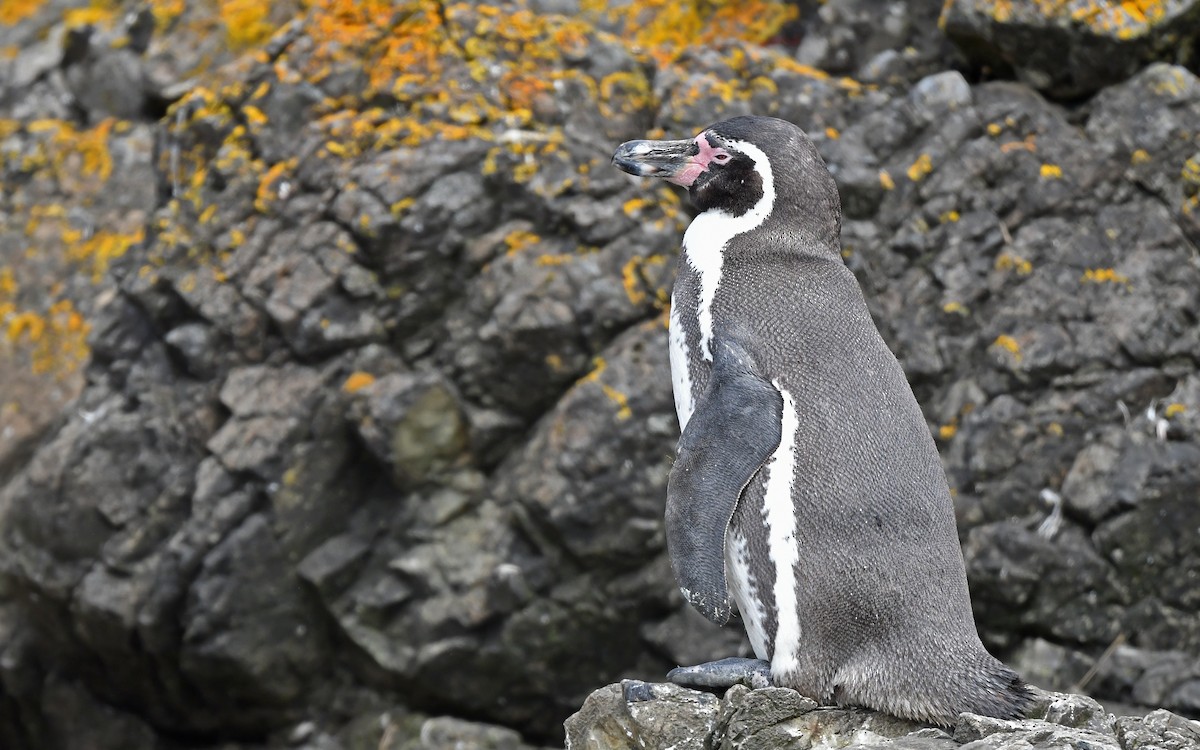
336	407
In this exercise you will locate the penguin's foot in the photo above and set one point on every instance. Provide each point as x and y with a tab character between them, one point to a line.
724	673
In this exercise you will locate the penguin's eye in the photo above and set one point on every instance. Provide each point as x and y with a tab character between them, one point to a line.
721	158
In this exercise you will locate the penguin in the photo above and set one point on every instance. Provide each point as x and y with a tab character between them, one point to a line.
807	493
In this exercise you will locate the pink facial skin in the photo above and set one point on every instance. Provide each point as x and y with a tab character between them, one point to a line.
698	164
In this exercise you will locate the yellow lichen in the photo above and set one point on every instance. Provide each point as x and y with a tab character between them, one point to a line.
633	206
57	340
631	278
97	13
1173	410
886	181
1140	156
273	185
1103	276
599	365
947	431
99	248
1051	172
920	168
245	22
1190	173
1010	262
1008	344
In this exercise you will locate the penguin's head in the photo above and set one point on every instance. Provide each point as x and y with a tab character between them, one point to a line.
736	165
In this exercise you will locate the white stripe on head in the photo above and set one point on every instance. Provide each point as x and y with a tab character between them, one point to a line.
705	240
779	515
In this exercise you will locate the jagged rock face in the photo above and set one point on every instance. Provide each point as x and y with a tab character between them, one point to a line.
378	418
1073	49
636	714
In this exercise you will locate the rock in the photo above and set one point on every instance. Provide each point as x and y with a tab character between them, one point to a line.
638	714
1105	43
894	44
414	424
1157	729
359	418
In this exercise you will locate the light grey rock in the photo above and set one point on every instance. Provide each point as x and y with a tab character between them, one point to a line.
638	714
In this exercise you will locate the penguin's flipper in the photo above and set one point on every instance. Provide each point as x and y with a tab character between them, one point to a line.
735	428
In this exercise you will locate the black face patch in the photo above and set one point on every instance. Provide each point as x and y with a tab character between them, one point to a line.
733	187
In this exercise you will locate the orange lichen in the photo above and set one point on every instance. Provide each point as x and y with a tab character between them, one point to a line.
1120	19
357	381
14	11
1029	143
667	28
519	239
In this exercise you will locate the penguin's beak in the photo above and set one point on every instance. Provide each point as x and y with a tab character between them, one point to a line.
663	159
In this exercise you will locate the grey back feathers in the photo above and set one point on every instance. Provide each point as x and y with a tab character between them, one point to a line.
807	488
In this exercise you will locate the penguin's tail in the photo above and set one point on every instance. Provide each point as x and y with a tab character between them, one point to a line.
996	691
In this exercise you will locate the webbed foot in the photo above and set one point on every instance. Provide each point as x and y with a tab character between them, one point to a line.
724	673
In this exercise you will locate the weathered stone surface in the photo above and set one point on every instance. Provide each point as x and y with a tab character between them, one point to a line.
1068	49
377	421
638	714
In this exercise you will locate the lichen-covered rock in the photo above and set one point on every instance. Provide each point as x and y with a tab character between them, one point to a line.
1073	48
377	421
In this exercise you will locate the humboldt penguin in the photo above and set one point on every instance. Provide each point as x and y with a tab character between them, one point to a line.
807	490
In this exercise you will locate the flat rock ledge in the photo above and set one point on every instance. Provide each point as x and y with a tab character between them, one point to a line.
653	716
